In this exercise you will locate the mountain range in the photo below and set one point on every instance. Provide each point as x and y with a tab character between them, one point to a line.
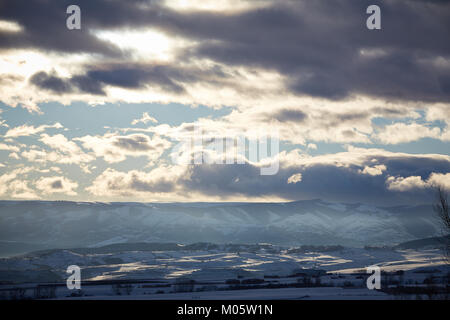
35	225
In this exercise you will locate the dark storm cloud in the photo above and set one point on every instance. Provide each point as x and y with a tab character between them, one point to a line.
134	143
128	76
50	82
57	184
44	24
144	186
333	119
88	85
316	45
136	77
289	115
320	180
136	183
54	83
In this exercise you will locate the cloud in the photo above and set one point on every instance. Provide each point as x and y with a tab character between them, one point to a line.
290	66
374	171
291	48
55	84
357	175
11	185
295	178
8	26
125	75
336	177
134	183
60	142
58	184
438	112
63	151
415	182
43	18
402	133
27	130
439	179
333	68
14	155
5	179
144	119
66	151
312	146
50	82
287	115
10	79
115	148
86	84
405	184
321	125
21	190
138	77
8	147
40	156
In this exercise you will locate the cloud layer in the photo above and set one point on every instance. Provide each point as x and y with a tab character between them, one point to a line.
362	115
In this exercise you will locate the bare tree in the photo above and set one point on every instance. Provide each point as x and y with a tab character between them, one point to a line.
441	208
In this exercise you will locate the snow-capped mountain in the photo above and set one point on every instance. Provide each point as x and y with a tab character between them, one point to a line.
31	225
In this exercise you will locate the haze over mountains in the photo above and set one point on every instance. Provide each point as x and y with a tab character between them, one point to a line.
32	225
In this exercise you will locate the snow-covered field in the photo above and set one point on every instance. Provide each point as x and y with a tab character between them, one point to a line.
326	293
224	272
136	250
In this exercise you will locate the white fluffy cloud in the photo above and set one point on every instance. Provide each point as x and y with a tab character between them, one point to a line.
137	184
295	178
57	184
416	182
21	190
440	179
8	147
144	119
27	130
14	184
115	148
374	171
65	151
405	184
402	132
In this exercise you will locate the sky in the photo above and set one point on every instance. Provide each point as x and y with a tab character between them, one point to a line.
96	114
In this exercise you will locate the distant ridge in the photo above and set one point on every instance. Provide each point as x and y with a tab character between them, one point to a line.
434	242
33	225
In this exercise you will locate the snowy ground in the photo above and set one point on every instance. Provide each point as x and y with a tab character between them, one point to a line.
270	273
260	294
